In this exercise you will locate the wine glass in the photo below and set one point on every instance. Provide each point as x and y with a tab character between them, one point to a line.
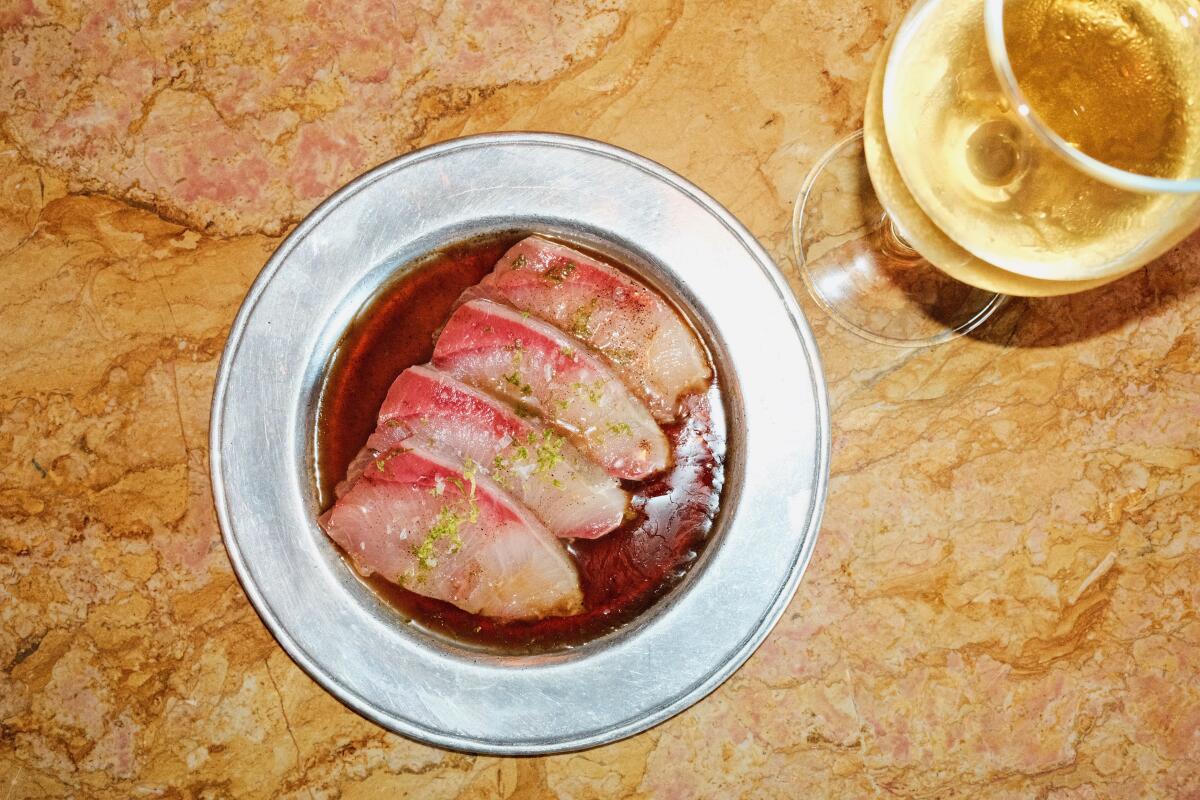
1009	147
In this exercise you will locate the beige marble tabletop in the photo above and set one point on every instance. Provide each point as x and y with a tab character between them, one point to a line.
1003	601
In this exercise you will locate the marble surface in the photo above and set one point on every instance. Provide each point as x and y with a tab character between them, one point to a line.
1003	601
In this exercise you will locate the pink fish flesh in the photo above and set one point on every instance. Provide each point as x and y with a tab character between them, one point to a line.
648	344
529	362
420	521
573	497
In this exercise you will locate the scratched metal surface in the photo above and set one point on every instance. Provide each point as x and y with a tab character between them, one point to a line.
263	421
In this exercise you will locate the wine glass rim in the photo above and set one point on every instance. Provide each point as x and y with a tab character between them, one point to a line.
993	19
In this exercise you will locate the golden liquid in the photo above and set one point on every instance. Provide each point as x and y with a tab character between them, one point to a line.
1114	77
920	232
1109	78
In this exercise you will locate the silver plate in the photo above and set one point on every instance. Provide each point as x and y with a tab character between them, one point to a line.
263	416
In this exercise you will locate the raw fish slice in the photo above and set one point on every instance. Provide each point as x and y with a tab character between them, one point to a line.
571	495
527	361
650	346
355	470
420	521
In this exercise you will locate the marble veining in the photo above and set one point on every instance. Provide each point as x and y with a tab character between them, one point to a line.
1003	602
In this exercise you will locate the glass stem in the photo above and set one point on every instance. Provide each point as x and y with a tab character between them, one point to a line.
893	246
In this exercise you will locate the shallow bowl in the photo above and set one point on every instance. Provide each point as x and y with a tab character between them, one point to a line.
263	422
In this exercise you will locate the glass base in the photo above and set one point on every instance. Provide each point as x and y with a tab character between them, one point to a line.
859	268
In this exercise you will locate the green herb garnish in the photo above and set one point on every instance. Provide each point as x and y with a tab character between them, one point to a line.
449	520
559	273
549	452
518	352
444	527
619	356
514	379
580	320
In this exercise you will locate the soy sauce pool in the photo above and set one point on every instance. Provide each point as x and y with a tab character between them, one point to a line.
622	573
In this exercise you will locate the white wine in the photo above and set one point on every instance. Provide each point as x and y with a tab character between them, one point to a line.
928	239
1117	79
1113	77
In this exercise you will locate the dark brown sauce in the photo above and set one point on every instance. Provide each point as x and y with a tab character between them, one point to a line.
622	573
391	334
